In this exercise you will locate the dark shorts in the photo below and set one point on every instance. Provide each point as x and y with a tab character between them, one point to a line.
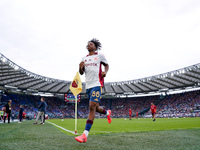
94	94
153	113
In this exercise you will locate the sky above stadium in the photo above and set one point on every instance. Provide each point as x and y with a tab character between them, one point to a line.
139	38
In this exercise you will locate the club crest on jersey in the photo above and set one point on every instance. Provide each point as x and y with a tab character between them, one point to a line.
75	83
95	59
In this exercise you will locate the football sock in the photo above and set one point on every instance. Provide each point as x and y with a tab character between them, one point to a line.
107	113
104	112
86	133
88	126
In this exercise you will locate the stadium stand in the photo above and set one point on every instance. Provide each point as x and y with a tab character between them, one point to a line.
186	104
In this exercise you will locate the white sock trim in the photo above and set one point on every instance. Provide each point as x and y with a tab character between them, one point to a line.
86	133
107	113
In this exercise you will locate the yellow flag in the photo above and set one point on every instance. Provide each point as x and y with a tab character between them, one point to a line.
76	86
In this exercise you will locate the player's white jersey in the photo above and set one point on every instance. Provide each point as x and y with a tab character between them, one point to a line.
93	70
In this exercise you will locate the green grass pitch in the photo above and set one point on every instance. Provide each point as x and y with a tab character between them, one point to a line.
101	126
121	134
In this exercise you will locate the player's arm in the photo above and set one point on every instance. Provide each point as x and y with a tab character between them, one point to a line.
106	69
81	68
40	105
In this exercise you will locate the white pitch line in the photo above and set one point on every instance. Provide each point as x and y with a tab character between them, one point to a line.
61	127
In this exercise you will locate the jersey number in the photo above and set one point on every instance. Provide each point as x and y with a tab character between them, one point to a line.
95	94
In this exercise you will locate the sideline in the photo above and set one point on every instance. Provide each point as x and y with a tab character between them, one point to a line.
73	132
15	120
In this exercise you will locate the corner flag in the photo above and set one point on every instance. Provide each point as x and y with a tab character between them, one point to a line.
76	88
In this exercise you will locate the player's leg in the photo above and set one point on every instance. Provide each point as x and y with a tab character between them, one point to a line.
89	123
92	110
101	110
154	119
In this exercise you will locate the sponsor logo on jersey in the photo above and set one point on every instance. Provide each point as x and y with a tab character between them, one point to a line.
91	64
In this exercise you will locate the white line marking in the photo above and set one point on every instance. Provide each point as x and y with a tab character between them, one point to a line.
61	127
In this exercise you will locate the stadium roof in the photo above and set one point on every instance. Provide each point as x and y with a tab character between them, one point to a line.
14	77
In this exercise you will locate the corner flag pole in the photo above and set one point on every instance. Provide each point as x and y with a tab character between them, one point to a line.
75	114
76	88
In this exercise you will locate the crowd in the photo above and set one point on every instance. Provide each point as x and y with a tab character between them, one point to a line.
179	105
176	105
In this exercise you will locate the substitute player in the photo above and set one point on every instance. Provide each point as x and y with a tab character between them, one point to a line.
153	111
130	113
94	78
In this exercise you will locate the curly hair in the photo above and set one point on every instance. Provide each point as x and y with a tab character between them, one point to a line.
96	43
